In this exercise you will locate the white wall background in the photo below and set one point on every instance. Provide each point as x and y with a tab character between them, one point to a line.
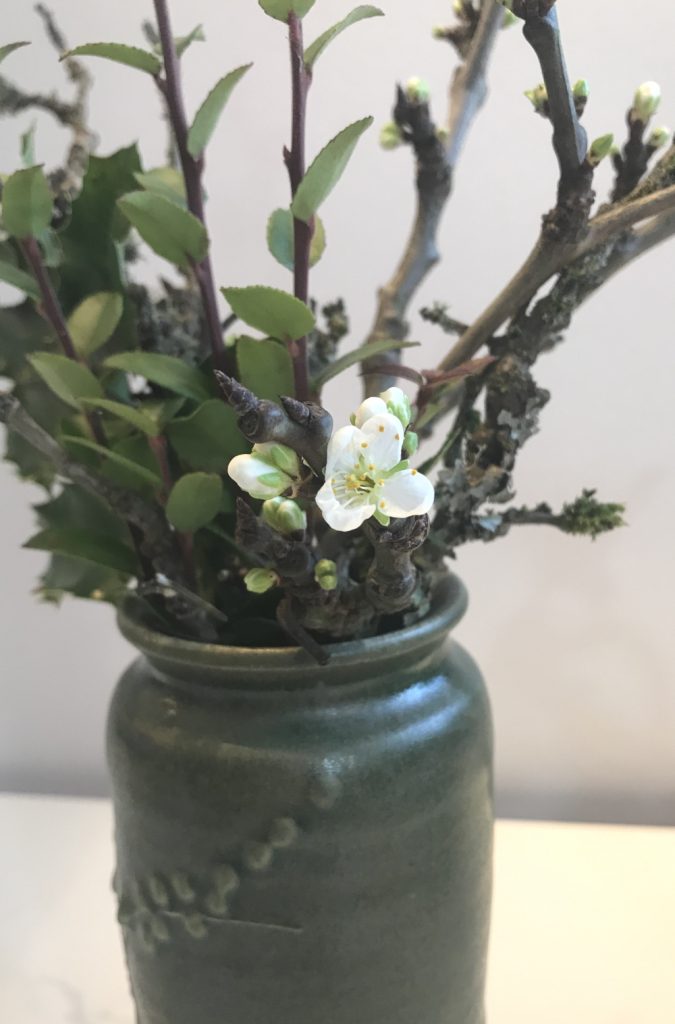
575	638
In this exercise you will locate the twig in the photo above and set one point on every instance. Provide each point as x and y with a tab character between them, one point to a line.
392	577
288	621
435	168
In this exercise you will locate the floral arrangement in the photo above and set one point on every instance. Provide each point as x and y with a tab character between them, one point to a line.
189	467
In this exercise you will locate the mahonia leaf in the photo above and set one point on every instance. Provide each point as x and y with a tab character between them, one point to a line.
91	546
140	473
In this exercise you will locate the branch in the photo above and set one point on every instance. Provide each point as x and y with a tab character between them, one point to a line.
435	167
392	577
586	516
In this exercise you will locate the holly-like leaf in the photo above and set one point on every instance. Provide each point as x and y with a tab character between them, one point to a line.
281	242
172	232
326	170
18	278
265	367
271	310
26	203
120	53
10	48
140	474
68	379
319	45
164	181
207	439
183	42
94	321
280	9
373	348
135	417
167	371
89	545
194	501
207	116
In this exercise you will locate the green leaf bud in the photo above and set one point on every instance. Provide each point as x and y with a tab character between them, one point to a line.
581	89
325	574
660	137
646	101
411	442
284	515
259	581
600	148
398	404
390	135
418	90
538	97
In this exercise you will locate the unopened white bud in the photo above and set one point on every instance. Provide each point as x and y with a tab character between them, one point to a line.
646	101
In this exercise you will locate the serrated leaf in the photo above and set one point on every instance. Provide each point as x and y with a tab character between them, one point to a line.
172	232
26	203
10	48
207	116
319	45
265	367
19	279
68	379
207	439
182	42
120	53
90	546
167	371
373	348
281	241
280	9
271	310
164	181
194	501
94	321
135	417
326	170
140	473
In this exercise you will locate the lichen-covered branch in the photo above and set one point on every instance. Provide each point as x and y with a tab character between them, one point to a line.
392	578
585	516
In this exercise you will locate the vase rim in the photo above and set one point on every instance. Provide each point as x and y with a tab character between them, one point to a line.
211	661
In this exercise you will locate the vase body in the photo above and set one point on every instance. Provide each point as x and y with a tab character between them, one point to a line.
300	844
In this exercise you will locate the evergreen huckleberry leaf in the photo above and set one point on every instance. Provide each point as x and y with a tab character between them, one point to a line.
319	45
120	53
164	181
167	371
281	242
11	274
326	170
172	232
27	146
89	545
208	438
373	348
26	203
265	367
280	9
68	379
207	116
271	310
183	42
94	321
134	472
135	417
10	48
194	501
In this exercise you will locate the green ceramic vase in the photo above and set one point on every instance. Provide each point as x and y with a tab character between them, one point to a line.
304	845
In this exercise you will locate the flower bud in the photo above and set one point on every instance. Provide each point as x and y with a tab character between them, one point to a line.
646	101
325	574
284	515
538	97
390	135
418	90
398	404
281	456
411	442
600	148
258	581
268	471
659	137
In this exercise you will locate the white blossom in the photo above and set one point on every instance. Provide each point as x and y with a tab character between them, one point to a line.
270	470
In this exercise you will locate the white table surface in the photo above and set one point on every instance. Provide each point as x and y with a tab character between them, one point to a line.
583	924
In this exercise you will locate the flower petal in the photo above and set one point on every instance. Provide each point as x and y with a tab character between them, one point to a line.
343	450
382	441
257	477
371	407
342	518
404	494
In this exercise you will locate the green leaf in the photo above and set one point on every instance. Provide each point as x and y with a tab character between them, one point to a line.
94	321
194	501
19	279
326	170
10	48
131	56
265	367
171	231
88	545
128	413
207	116
373	348
209	438
68	379
164	181
319	45
26	203
270	310
27	146
281	242
182	42
138	472
280	9
74	506
167	371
